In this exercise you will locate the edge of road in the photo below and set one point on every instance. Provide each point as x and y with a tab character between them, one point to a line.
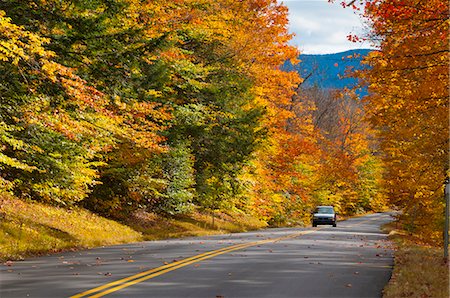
119	284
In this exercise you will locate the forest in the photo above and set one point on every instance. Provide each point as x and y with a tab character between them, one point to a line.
119	106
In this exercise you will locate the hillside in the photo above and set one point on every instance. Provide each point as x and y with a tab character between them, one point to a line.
328	71
32	228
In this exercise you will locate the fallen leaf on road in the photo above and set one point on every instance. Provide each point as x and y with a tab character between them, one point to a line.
130	261
9	263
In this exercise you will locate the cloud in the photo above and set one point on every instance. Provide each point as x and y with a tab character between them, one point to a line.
321	27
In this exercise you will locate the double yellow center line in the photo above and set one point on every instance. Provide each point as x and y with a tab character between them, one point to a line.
137	278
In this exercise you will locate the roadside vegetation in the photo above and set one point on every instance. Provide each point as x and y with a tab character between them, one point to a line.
30	228
195	223
419	270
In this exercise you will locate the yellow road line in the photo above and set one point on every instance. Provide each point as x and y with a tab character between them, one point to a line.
146	272
137	278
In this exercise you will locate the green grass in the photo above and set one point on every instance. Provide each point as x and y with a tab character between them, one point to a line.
419	270
30	228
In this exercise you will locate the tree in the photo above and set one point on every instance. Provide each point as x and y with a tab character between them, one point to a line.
128	66
103	43
408	103
41	156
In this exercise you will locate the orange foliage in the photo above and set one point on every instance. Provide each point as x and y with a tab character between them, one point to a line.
409	83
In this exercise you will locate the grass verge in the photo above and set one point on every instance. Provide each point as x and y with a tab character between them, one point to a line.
197	223
30	228
419	269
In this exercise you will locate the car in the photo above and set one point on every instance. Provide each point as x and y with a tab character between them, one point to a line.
324	215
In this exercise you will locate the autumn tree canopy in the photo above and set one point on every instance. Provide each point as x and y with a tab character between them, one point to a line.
409	83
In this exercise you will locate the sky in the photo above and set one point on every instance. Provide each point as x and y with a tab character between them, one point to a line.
322	27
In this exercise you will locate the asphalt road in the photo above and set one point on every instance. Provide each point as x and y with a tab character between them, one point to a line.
352	260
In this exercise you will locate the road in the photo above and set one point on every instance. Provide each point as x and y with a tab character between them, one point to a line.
352	260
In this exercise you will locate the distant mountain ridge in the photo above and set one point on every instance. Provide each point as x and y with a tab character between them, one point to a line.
328	70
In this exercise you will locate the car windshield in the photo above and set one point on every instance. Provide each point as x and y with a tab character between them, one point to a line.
324	210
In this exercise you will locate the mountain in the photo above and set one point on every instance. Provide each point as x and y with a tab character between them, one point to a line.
328	71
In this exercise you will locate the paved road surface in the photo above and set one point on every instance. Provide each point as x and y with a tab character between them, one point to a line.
352	260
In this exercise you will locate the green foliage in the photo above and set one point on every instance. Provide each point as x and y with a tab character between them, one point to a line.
64	170
133	179
40	158
178	167
369	186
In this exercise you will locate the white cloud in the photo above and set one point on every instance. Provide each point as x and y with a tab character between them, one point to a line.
306	24
322	27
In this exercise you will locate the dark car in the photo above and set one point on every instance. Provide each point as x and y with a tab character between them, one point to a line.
324	215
